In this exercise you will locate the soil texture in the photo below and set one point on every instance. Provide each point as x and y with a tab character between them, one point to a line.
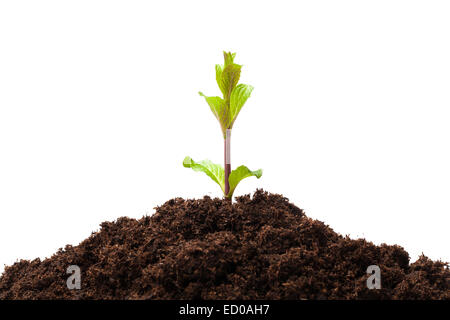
259	247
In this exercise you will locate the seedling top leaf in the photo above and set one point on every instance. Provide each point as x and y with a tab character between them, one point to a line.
226	110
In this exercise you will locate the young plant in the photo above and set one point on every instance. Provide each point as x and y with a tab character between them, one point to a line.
226	110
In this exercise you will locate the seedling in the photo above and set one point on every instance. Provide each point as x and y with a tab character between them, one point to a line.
226	110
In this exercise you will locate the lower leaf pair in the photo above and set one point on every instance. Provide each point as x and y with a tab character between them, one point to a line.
217	173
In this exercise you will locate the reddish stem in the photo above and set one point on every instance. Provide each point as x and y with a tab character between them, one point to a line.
226	152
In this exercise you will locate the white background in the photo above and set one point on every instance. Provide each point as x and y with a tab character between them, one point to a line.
349	117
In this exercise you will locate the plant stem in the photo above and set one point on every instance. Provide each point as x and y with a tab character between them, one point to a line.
227	161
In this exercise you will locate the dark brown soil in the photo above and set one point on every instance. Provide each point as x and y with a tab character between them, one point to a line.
260	247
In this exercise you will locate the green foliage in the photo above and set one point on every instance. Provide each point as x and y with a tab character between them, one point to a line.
217	173
212	170
226	109
234	95
218	108
238	97
240	173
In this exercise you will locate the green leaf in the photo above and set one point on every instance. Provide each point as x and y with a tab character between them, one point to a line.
219	109
212	170
240	173
230	78
238	97
219	70
228	58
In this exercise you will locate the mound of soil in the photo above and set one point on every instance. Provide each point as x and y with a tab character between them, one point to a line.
259	247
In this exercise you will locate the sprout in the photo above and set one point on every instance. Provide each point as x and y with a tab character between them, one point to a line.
226	110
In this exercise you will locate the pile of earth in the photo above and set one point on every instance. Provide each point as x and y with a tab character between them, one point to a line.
259	247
